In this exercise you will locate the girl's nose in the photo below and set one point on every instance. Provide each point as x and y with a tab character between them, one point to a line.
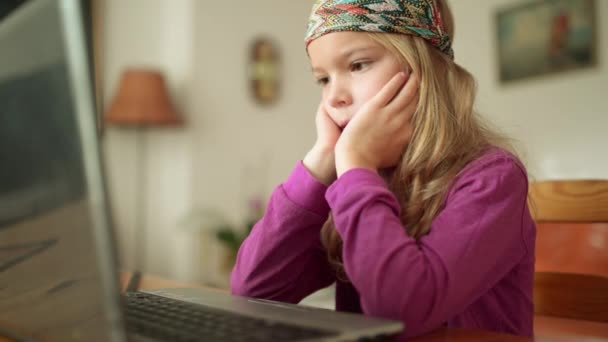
339	96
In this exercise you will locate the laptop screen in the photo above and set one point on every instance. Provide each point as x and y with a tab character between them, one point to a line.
55	272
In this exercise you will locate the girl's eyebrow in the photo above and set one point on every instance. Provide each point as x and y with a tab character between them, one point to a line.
355	50
347	53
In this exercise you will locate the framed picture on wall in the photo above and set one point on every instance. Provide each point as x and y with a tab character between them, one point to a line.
545	36
265	71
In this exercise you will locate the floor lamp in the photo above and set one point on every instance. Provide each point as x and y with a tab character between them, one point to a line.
141	102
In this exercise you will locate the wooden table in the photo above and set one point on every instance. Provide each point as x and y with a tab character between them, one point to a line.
565	330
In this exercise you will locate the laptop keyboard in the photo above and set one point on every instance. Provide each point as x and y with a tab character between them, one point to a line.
166	319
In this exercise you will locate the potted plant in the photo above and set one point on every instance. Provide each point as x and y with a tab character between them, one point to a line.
232	237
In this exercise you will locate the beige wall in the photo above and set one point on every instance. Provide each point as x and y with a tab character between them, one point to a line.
559	120
233	148
241	147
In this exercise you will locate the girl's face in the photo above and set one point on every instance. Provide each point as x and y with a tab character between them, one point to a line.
351	68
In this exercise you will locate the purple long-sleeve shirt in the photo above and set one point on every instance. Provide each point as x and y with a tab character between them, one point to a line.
475	268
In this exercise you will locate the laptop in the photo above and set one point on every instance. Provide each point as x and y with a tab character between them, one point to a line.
59	278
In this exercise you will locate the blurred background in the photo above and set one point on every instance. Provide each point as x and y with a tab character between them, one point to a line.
237	77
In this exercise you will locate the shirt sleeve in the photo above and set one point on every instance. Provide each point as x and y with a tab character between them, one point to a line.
283	259
474	242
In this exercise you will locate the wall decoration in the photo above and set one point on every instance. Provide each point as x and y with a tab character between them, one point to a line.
544	37
264	71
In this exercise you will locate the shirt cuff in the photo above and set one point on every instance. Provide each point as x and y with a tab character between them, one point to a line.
350	180
306	191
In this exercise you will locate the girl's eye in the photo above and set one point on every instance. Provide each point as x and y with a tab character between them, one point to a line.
322	81
357	66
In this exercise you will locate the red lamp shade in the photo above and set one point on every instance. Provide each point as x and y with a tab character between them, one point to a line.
142	100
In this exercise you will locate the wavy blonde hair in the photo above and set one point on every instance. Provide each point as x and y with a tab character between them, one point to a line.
448	134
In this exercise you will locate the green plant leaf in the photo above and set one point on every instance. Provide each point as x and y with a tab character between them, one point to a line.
229	238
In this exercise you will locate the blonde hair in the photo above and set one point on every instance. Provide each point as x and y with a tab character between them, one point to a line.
448	134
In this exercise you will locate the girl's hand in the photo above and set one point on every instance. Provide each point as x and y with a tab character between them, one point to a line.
320	160
378	133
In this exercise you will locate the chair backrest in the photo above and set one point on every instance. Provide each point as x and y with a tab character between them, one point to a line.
570	295
570	201
571	248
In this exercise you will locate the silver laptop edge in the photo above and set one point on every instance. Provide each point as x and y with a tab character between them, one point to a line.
348	326
103	231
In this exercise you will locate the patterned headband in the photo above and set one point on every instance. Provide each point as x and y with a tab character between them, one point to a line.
414	17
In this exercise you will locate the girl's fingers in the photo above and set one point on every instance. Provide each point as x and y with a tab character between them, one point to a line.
411	107
403	116
389	91
406	96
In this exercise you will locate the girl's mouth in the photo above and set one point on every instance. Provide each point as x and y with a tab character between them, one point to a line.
343	126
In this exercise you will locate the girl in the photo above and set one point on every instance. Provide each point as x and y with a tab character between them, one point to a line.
406	200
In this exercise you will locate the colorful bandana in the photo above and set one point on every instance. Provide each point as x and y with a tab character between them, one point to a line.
415	17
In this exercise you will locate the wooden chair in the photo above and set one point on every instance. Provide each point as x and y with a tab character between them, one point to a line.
571	250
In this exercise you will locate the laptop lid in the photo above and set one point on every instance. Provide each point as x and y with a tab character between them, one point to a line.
58	280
